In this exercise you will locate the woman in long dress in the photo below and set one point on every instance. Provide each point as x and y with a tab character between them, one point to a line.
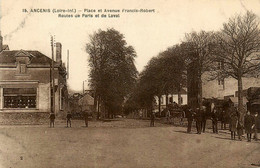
233	124
249	125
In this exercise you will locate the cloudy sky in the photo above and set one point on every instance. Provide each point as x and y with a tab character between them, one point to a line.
148	33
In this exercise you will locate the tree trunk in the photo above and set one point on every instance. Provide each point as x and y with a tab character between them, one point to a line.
167	99
95	104
159	106
240	101
199	91
179	96
98	108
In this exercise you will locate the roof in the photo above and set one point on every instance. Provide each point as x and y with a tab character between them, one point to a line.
183	91
235	100
36	57
87	100
5	47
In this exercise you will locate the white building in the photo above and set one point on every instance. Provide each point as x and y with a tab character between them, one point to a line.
173	97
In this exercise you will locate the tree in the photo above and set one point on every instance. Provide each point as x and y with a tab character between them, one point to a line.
200	55
162	75
112	69
238	49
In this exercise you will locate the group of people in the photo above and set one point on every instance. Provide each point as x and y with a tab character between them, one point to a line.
199	115
68	118
236	127
249	125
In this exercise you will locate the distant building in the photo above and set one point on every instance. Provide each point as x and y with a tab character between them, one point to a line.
74	106
86	102
25	81
218	88
80	104
228	86
172	97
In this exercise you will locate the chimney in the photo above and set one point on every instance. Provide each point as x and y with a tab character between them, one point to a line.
1	42
58	52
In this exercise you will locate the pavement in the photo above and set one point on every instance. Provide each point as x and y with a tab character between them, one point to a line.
121	143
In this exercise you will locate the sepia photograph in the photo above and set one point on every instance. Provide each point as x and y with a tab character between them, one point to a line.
129	84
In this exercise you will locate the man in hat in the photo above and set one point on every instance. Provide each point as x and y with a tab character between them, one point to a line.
189	115
203	118
86	118
198	120
152	119
69	116
215	121
52	118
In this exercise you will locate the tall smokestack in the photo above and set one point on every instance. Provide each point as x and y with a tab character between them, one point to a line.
58	52
68	63
1	42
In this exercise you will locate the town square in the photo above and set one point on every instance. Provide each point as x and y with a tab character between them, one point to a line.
137	84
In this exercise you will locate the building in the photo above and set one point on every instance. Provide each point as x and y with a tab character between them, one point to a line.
225	87
172	97
25	77
80	104
218	88
86	102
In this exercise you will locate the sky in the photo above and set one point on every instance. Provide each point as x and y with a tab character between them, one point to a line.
148	32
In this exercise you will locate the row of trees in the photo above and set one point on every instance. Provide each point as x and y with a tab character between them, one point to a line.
231	52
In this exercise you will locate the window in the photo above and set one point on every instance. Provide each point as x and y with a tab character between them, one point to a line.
171	99
220	81
23	68
19	97
161	100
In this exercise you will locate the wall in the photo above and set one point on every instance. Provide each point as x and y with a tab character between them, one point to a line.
175	99
212	89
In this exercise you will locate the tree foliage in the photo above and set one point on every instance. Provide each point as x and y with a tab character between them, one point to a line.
112	70
164	74
239	50
200	46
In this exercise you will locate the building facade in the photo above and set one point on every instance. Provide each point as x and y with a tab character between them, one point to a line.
173	97
226	87
25	82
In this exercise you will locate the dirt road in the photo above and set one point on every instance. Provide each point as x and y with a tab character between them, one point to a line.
124	143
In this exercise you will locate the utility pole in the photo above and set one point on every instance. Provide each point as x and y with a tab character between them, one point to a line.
52	75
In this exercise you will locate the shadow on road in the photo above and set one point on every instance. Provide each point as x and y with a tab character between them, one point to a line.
185	132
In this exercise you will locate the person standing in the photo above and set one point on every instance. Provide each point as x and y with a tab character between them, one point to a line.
69	116
168	115
249	125
233	124
255	128
198	120
52	118
152	119
215	121
203	118
86	118
189	116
